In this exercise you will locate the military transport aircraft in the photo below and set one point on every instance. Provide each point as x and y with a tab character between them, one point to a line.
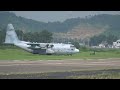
38	48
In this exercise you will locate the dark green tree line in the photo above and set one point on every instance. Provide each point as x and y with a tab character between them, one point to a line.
2	36
96	40
41	37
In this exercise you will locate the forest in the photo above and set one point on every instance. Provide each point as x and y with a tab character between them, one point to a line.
37	31
29	25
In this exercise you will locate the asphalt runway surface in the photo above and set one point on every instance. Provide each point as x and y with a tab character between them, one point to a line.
8	67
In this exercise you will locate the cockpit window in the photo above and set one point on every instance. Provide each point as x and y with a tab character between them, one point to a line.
72	47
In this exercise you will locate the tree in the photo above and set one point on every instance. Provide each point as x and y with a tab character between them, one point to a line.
2	36
111	39
28	36
103	38
76	44
20	34
96	40
45	36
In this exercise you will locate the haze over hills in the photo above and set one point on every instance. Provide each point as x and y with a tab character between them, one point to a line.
78	28
81	32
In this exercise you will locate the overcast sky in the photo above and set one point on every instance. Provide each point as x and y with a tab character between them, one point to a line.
52	16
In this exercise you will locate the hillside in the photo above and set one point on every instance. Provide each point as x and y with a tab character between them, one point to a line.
71	28
29	25
81	32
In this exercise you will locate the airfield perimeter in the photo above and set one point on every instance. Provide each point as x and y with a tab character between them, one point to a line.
8	67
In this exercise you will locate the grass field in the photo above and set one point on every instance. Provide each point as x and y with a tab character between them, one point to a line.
97	76
18	54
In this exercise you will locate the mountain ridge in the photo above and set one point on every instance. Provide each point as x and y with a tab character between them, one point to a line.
70	28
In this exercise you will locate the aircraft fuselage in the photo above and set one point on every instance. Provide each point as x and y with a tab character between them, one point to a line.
38	48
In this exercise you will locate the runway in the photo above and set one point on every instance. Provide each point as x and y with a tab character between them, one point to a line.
41	66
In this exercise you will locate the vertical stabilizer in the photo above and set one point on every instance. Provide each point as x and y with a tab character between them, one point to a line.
11	36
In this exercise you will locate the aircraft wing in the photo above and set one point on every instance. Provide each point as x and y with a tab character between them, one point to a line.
39	45
33	44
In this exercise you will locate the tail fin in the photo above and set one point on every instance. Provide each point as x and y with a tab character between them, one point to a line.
11	36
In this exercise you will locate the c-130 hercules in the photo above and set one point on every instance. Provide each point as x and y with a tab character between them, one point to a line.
39	48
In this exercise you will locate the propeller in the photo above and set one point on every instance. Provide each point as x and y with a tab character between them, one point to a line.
49	46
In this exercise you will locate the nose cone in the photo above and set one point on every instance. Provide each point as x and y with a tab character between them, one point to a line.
77	50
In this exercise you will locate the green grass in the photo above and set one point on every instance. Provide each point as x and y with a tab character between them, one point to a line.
18	54
97	76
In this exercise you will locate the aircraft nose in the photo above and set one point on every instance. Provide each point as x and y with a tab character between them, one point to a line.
77	50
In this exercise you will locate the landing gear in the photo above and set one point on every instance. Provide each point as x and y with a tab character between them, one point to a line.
48	54
68	54
39	51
